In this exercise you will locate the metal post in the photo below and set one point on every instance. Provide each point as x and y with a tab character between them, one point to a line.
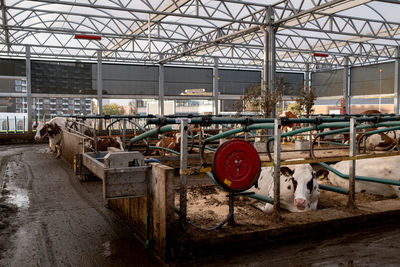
15	124
346	85
308	87
271	60
380	90
277	165
99	87
8	125
307	76
28	87
215	86
264	72
352	165
183	176
123	132
161	89
397	82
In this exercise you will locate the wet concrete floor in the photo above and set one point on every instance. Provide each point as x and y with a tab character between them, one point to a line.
49	218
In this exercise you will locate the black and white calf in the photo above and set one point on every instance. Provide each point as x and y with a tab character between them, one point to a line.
299	189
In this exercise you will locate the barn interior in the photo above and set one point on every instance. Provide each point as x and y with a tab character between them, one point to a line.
173	110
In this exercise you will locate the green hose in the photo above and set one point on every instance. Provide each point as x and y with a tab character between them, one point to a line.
163	129
255	196
239	130
360	178
166	149
334	189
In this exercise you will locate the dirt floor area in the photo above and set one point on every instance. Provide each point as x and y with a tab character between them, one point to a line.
208	206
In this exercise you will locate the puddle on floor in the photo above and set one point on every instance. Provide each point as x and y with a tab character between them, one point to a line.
16	195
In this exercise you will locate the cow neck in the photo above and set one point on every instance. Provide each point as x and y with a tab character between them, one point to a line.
54	129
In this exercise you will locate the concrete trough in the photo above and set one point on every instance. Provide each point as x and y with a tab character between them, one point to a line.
123	174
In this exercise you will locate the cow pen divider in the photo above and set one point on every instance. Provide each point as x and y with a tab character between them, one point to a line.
345	124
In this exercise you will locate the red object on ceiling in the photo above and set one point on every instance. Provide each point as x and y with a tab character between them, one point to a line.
88	37
320	55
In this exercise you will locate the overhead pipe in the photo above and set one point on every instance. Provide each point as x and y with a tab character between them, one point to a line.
316	120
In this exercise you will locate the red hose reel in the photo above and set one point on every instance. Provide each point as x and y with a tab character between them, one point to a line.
236	165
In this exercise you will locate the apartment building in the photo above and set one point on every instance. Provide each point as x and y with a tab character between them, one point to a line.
52	106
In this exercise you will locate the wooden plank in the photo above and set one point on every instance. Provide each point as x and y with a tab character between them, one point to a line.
158	206
72	144
93	165
125	182
163	204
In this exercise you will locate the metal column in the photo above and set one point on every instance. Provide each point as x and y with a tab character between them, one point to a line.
28	87
99	89
215	86
307	76
352	164
271	59
397	82
161	89
264	72
183	175
277	165
99	83
346	85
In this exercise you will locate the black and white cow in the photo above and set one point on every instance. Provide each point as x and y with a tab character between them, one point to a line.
53	129
299	189
386	168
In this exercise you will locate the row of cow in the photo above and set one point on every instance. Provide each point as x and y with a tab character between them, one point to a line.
299	184
54	128
299	190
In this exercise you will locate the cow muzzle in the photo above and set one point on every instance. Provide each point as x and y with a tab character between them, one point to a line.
300	203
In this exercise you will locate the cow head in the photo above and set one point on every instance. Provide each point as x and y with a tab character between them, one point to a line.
44	129
303	183
41	130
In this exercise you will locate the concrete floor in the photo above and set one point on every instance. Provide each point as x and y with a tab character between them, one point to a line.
49	218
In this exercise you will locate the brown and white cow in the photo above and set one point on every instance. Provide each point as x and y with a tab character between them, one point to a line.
104	142
299	190
386	168
53	129
289	127
171	141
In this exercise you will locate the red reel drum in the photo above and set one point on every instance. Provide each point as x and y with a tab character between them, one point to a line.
236	165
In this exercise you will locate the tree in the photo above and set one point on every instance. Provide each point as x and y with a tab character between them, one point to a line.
111	109
306	100
264	101
132	108
94	107
122	109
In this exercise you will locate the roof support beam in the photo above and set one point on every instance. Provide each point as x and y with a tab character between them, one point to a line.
4	21
295	15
